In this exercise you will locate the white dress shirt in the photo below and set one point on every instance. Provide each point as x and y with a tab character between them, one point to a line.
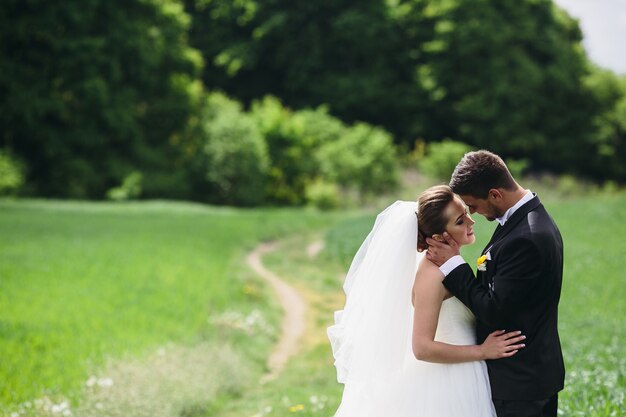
507	214
457	260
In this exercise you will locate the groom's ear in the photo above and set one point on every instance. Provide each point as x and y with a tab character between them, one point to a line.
494	195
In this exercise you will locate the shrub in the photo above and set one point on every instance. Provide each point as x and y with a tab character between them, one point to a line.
323	195
11	174
129	189
442	157
363	158
610	187
233	161
292	139
568	185
305	156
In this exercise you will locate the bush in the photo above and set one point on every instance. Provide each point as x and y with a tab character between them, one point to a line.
442	157
129	189
363	158
610	187
11	174
292	139
310	150
323	195
568	185
232	164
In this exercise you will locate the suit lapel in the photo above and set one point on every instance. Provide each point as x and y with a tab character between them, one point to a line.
493	236
501	232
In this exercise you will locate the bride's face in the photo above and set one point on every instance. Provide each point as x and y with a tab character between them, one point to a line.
459	223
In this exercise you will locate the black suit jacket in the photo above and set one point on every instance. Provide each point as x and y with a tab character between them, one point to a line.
519	290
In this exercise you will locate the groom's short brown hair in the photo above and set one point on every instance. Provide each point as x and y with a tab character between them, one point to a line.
480	171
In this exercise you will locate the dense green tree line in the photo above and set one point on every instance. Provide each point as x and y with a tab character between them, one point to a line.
507	75
351	55
111	98
91	90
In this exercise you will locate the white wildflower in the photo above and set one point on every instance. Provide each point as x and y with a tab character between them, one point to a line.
105	382
60	408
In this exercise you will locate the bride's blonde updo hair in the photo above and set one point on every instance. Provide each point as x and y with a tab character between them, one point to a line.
431	220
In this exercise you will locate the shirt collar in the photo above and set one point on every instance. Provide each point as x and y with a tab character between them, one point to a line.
507	214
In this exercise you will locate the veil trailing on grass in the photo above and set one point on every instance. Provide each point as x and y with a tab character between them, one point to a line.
371	337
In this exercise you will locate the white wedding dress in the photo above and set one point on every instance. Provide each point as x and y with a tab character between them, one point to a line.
371	337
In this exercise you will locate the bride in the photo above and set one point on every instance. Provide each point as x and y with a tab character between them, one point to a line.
403	346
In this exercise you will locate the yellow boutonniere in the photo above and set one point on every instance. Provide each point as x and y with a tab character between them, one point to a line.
482	263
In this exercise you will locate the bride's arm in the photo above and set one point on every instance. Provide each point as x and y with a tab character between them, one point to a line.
428	296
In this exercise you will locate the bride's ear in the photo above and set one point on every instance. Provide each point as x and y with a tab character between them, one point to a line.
438	238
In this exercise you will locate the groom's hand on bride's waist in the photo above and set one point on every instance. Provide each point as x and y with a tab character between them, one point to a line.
439	252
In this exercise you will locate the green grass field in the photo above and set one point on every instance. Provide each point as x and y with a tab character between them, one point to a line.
155	297
84	284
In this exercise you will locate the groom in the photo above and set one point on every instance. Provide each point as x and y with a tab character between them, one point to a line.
518	284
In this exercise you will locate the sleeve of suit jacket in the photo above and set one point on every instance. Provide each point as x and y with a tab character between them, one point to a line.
519	266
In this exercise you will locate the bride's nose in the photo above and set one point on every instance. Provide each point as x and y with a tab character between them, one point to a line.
469	218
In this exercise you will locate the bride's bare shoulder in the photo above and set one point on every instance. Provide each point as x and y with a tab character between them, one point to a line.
427	270
428	281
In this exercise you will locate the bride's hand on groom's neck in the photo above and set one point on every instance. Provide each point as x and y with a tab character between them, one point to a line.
441	251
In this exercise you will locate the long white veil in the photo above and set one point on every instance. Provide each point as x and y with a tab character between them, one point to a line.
371	337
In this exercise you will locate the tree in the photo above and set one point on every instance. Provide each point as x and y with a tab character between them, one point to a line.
345	54
606	161
508	76
93	90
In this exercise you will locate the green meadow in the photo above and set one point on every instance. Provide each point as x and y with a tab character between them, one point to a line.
148	308
85	284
